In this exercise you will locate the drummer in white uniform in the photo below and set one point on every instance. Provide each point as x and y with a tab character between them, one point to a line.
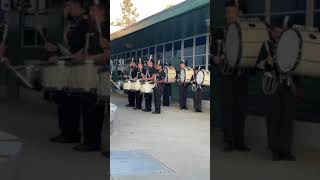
197	92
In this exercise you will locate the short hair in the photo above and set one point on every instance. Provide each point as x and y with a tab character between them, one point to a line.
231	3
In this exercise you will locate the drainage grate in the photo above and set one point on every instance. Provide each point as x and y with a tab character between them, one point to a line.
131	163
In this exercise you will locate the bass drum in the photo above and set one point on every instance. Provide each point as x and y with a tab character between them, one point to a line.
171	74
186	75
243	42
298	52
203	77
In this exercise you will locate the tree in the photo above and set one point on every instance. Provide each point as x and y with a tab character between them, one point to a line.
129	14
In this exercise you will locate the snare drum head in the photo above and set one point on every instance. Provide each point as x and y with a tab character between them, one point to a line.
233	44
200	77
288	51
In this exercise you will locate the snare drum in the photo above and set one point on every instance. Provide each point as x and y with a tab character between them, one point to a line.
298	52
136	85
84	77
186	75
127	86
147	87
243	42
203	77
171	74
55	76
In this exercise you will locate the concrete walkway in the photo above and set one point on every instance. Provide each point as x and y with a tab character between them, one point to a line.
178	139
34	123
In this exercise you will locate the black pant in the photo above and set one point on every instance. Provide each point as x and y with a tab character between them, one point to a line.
93	117
183	93
138	98
197	99
281	120
148	101
234	91
131	98
157	93
68	114
166	94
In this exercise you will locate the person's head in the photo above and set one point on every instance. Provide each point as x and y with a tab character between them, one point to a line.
159	66
140	64
232	11
97	12
150	63
182	64
276	30
74	7
133	63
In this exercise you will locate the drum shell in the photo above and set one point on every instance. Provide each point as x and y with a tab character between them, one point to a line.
206	78
84	77
136	86
309	64
189	72
103	89
171	74
55	76
147	87
127	85
252	36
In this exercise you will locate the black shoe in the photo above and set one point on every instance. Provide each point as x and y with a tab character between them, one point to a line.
276	156
185	108
106	154
62	139
146	110
129	105
228	147
288	157
136	108
166	105
198	111
155	112
86	148
243	148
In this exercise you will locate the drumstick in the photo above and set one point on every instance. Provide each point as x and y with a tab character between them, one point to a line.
44	38
5	34
115	84
21	77
285	22
64	50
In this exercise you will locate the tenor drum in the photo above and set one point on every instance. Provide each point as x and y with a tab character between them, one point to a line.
203	77
147	87
243	42
186	75
128	85
298	52
171	74
136	85
84	77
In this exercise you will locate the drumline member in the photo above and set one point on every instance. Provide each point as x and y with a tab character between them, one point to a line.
150	76
132	74
198	93
183	88
140	74
69	108
167	91
92	107
281	107
234	89
158	89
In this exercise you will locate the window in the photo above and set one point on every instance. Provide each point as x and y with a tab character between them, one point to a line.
168	53
188	52
145	55
159	55
139	54
177	50
151	52
31	37
252	7
133	54
201	51
287	5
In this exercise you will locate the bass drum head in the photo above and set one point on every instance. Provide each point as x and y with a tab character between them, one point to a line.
182	75
166	73
200	77
233	44
288	51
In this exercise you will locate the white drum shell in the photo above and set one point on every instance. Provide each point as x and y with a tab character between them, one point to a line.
103	89
84	77
186	75
147	87
203	78
171	74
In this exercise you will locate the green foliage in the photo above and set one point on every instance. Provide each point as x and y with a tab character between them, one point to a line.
129	14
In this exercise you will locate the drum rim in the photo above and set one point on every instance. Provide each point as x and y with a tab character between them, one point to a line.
298	59
202	79
237	25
